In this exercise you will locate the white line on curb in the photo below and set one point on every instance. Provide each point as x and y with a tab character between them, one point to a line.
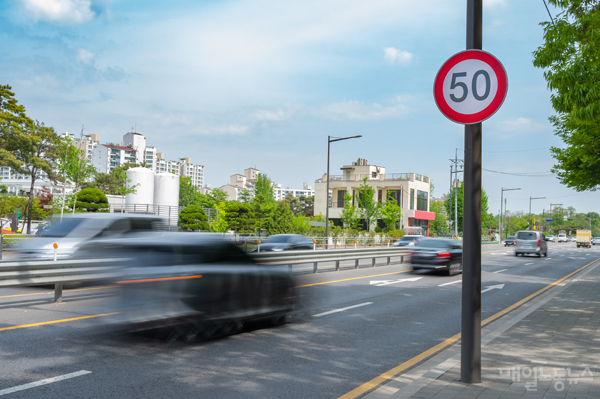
342	309
43	382
453	282
500	271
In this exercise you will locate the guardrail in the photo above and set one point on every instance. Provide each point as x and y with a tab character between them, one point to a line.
42	272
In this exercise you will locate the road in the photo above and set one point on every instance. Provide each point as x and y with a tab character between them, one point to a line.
353	325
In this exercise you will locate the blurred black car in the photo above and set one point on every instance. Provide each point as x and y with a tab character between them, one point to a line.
437	254
194	285
285	242
509	241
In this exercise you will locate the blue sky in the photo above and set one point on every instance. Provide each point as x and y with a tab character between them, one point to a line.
262	83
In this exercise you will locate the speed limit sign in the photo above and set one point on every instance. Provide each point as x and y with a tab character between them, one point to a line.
470	87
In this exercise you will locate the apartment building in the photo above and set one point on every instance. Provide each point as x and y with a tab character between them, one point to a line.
107	157
410	190
280	193
194	172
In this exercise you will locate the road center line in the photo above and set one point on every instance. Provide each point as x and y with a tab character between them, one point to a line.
453	282
503	270
43	382
342	309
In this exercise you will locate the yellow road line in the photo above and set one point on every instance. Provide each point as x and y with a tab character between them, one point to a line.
57	321
45	293
398	369
348	279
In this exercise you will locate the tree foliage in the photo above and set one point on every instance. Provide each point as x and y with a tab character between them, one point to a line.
369	207
91	200
14	125
188	194
219	223
281	220
350	216
570	56
115	182
449	205
192	217
240	217
438	226
391	213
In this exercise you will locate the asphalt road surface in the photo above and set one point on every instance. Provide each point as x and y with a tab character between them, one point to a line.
352	326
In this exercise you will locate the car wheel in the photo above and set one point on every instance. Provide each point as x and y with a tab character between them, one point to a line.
539	254
546	254
516	254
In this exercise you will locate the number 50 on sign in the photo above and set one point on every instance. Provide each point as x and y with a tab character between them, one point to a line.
470	87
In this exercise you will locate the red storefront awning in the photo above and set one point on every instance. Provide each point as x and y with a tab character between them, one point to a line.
424	215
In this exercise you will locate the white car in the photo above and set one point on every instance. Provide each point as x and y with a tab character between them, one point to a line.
550	238
562	238
596	241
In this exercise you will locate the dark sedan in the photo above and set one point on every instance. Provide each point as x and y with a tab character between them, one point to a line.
437	254
285	242
193	285
509	241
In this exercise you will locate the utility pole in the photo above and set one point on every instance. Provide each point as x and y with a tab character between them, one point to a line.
454	184
502	214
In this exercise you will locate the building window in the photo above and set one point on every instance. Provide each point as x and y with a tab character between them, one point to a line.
380	196
422	200
412	198
340	198
395	194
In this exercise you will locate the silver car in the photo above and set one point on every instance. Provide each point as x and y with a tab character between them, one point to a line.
596	241
76	229
530	242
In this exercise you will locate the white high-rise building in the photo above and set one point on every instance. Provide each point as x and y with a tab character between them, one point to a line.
194	172
138	143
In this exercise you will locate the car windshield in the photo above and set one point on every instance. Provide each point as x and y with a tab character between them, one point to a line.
279	239
409	238
61	229
510	238
432	244
562	235
526	235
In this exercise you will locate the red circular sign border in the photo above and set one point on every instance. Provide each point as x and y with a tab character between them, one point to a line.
470	119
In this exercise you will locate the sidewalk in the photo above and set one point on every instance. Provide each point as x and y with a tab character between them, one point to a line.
547	348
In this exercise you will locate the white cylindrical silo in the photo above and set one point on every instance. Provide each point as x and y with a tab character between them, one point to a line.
143	179
166	189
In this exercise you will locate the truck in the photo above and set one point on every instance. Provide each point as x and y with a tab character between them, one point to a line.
584	238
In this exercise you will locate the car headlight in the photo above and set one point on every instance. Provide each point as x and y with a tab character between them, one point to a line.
277	249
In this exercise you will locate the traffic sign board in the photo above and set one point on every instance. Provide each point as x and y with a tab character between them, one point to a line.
470	87
548	220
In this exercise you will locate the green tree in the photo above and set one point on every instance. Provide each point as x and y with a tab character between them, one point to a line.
369	207
439	225
570	57
115	182
188	194
71	165
91	200
391	213
301	225
192	217
14	126
240	217
36	153
281	220
263	188
350	216
293	203
307	205
219	223
244	196
449	204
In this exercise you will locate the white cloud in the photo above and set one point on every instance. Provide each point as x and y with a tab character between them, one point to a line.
358	111
60	11
520	125
85	57
395	56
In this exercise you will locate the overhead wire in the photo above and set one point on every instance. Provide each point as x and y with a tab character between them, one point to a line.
523	174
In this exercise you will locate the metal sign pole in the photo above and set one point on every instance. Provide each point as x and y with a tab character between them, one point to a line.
471	290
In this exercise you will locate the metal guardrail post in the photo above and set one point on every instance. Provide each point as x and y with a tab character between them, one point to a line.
373	263
401	259
315	267
356	264
58	289
389	260
1	246
337	265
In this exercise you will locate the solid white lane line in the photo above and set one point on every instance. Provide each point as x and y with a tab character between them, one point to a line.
43	382
453	282
500	271
530	263
342	309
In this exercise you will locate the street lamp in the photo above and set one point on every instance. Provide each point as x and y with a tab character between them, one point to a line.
533	198
502	199
329	141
